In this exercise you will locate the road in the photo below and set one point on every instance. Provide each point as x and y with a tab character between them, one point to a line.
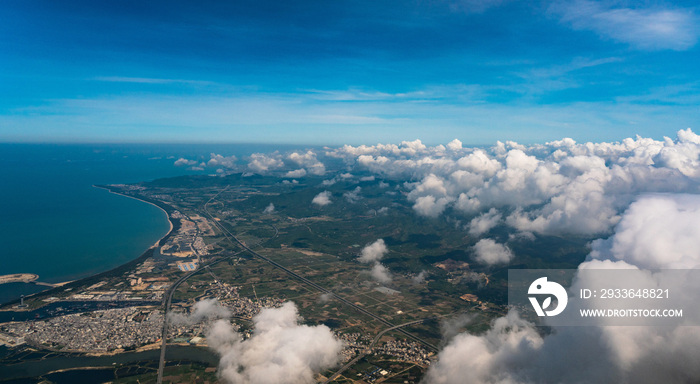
316	286
167	298
369	349
167	301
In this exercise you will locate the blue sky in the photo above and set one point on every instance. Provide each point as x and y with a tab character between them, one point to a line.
335	72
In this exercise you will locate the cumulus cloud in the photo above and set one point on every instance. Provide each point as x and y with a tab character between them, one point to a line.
373	252
489	252
309	161
280	351
429	206
323	198
296	173
454	145
380	273
219	161
477	359
560	187
260	162
325	297
658	231
182	162
453	326
294	164
202	310
419	278
484	223
353	196
269	209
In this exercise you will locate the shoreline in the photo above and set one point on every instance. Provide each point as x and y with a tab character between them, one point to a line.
143	256
167	215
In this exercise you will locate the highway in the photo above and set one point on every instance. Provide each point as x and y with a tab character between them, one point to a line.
167	298
318	287
369	349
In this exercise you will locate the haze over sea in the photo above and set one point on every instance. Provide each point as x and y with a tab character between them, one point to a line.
55	224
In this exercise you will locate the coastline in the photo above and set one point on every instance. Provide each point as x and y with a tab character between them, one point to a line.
167	215
130	264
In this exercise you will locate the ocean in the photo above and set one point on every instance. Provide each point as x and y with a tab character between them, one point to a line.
55	224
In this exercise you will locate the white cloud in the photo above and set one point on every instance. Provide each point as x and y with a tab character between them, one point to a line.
353	196
260	162
296	173
419	278
454	145
429	206
380	273
280	351
217	160
323	198
373	252
489	252
309	161
182	162
658	231
553	188
269	209
325	297
485	222
485	359
202	310
648	29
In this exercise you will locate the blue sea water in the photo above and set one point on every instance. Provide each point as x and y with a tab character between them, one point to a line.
55	224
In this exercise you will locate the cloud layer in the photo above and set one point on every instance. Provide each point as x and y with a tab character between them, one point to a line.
280	351
560	187
657	231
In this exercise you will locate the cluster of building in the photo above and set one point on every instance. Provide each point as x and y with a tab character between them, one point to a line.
247	308
354	344
407	351
187	242
244	307
97	331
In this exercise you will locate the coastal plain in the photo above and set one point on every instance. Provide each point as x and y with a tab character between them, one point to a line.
254	242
